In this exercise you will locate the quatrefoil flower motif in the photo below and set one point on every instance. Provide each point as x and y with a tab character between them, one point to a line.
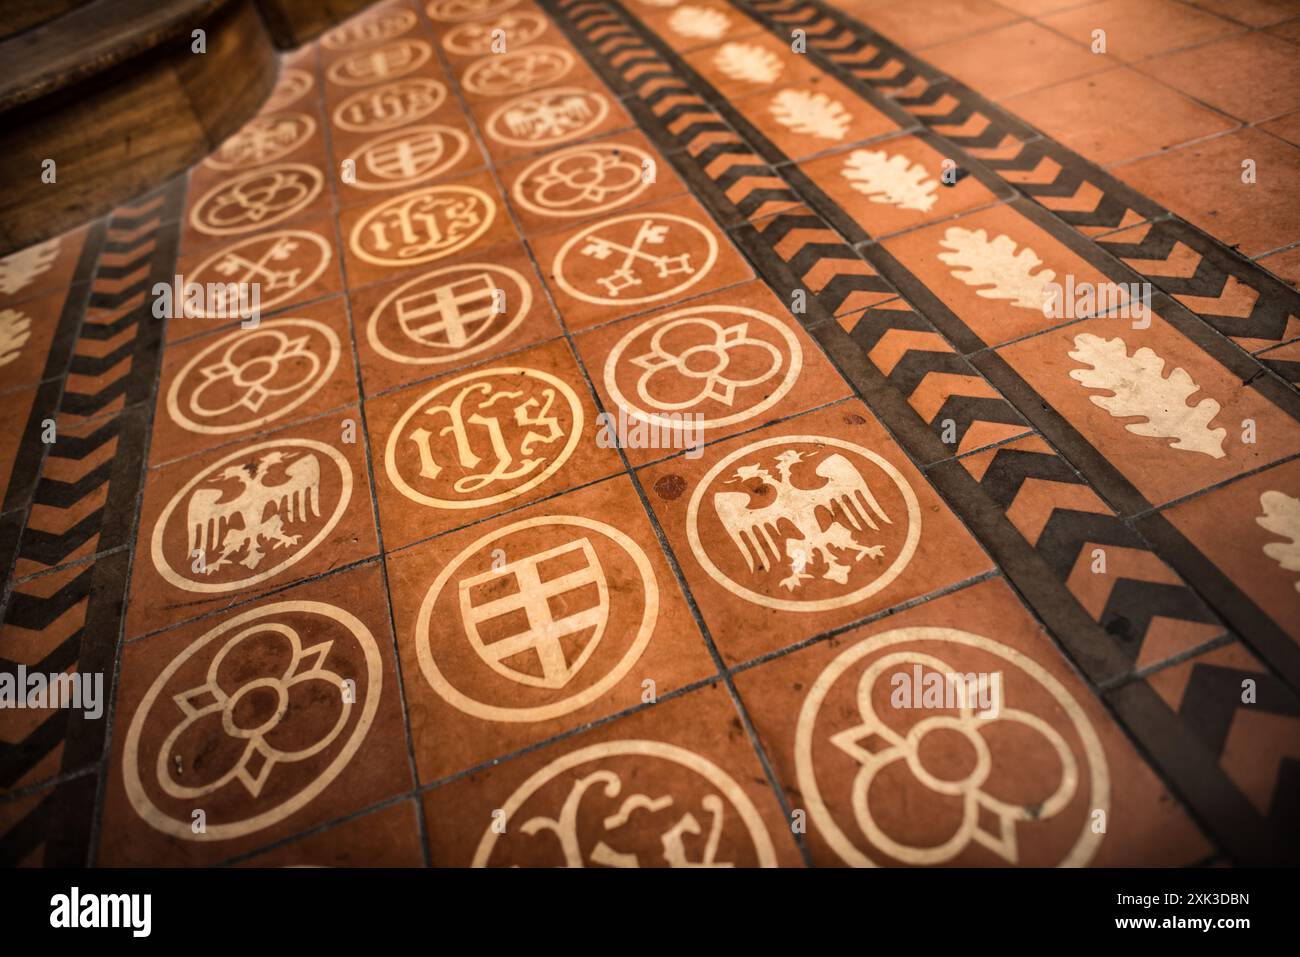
977	777
265	701
693	359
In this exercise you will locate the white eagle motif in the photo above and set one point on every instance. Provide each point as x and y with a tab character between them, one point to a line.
242	520
756	531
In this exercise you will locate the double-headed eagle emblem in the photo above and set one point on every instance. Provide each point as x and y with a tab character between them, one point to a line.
848	503
257	513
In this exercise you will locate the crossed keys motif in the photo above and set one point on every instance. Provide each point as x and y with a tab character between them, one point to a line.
254	261
634	256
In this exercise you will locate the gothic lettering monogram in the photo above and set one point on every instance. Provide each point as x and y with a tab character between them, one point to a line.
389	106
484	437
575	812
423	225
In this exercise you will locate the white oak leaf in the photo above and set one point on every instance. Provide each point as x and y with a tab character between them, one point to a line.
814	114
748	61
19	269
891	179
15	329
1282	517
699	22
996	263
1139	388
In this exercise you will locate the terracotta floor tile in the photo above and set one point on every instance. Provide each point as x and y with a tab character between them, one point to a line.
1257	554
1094	116
561	115
229	385
295	84
17	404
1137	29
201	706
762	587
43	268
737	358
1016	59
889	776
1203	183
26	333
1253	13
805	120
242	204
389	837
391	60
536	623
923	23
311	487
446	317
494	77
516	430
1041	8
690	25
289	136
701	798
737	68
519	26
994	269
1289	30
897	184
1285	127
408	229
415	155
1046	511
379	23
576	183
1169	432
382	108
1254	743
1285	265
296	264
1251	77
630	262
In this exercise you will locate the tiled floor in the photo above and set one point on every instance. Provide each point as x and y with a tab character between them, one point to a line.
657	422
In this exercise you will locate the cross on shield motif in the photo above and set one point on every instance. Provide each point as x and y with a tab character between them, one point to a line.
538	619
452	315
